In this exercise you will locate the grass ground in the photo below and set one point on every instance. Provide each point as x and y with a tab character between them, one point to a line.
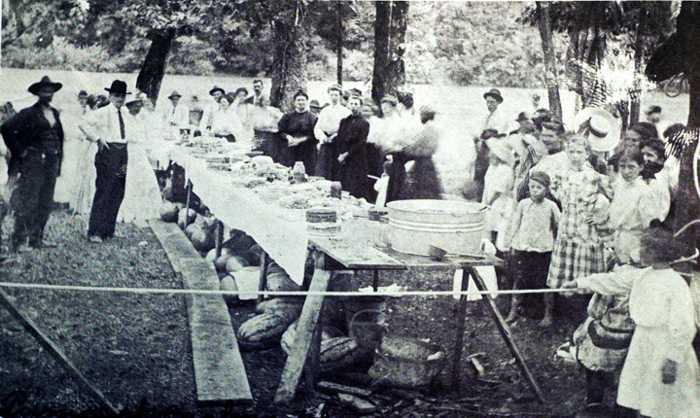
136	348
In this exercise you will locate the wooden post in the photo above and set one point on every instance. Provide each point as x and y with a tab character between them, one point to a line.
55	351
262	283
460	323
505	333
305	342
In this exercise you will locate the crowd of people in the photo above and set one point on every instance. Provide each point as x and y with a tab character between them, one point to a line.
568	209
575	209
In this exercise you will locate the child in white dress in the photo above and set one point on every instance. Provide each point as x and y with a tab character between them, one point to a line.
660	377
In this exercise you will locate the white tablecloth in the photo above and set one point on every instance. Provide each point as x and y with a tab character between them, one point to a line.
284	240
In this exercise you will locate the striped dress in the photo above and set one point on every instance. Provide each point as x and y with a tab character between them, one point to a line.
578	250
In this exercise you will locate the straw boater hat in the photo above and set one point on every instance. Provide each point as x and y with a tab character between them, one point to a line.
44	82
389	99
174	94
137	99
335	87
601	127
502	150
495	93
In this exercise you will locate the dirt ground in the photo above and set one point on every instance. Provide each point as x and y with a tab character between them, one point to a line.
136	348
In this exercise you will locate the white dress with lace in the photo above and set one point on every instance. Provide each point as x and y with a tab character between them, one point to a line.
142	198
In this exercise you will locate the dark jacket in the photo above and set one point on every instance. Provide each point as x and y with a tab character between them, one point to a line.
298	124
23	130
352	138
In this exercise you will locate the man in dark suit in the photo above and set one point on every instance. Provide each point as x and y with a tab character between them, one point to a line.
34	138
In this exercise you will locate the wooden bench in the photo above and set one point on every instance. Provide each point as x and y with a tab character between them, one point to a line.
220	376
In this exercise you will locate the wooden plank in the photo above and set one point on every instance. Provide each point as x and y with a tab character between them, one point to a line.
55	351
306	326
364	256
220	375
355	255
506	334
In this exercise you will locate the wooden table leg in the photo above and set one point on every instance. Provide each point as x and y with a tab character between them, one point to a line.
460	322
219	238
55	351
375	280
304	339
506	334
262	283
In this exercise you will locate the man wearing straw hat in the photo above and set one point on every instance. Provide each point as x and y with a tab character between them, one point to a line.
176	115
110	128
34	138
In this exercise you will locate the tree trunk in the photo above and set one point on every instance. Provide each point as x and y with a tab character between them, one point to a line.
153	68
339	46
289	62
636	96
389	36
689	207
550	76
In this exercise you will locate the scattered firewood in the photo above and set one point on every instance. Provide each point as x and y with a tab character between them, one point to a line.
336	387
360	405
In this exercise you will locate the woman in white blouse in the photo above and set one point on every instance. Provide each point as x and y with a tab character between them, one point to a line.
225	122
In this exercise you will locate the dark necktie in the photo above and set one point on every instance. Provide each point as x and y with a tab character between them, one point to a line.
121	124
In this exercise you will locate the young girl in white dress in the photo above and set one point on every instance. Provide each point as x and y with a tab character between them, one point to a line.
142	198
661	377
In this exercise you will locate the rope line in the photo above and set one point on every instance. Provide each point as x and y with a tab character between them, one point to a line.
145	290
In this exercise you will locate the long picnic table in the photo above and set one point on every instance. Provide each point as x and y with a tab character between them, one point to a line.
287	242
282	237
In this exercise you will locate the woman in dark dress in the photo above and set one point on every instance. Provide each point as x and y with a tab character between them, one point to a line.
352	150
296	133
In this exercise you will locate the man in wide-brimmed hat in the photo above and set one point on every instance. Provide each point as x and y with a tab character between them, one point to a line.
34	138
176	115
110	127
495	119
325	132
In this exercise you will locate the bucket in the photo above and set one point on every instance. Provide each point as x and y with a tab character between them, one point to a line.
406	362
454	226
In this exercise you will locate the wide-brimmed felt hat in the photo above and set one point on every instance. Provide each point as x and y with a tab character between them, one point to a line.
652	109
174	94
522	117
118	87
215	89
44	82
601	127
314	104
502	150
495	93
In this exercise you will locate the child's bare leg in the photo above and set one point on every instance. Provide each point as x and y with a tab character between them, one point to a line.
515	302
547	320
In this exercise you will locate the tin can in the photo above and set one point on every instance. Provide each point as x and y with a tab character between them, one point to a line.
336	189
